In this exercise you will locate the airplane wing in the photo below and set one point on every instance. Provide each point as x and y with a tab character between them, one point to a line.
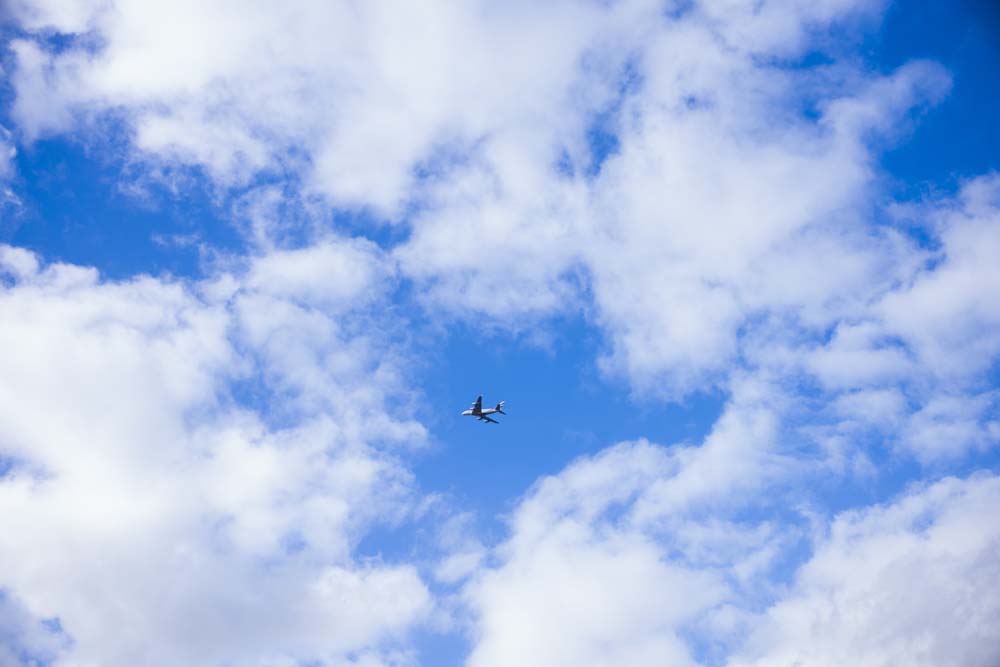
478	405
487	419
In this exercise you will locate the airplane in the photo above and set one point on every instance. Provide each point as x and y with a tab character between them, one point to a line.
477	411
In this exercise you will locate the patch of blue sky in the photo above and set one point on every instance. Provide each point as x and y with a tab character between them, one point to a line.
559	408
6	465
602	139
957	138
253	392
602	134
53	41
677	9
871	466
366	223
446	156
440	648
46	640
19	467
6	65
75	208
889	469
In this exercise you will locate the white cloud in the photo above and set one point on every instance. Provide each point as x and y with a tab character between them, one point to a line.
722	204
585	575
730	228
161	522
626	556
914	582
323	274
948	426
18	262
946	313
880	407
574	585
365	92
463	553
723	214
724	201
916	361
578	598
860	355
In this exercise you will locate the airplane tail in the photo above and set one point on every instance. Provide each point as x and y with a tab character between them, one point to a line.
500	408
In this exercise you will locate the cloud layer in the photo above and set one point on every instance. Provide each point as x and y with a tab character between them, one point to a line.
598	568
198	460
142	498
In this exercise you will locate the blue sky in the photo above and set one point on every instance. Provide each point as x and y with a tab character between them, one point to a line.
732	265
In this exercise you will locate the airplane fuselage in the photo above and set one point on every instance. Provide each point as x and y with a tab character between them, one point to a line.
476	413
